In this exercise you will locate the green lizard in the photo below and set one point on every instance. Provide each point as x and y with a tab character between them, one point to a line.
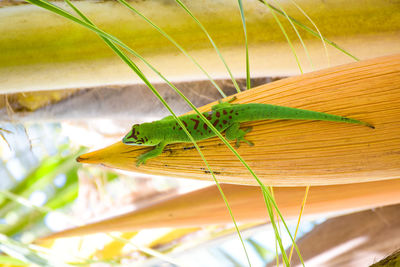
224	117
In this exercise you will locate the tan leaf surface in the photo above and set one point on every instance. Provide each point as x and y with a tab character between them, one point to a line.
205	206
294	153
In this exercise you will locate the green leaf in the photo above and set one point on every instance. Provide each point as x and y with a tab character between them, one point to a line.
7	260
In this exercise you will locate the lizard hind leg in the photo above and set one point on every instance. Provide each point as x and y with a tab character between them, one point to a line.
234	132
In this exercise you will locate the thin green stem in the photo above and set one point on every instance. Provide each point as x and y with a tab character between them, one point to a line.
298	35
311	31
59	11
152	88
303	204
212	42
286	36
172	40
278	238
248	84
316	28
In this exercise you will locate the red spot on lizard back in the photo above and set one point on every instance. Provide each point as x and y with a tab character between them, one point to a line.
196	123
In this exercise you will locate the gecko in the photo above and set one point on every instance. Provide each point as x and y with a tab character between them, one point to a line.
224	116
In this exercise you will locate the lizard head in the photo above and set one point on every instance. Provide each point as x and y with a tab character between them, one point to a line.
134	137
140	134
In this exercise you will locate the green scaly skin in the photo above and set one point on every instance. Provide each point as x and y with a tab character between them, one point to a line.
224	117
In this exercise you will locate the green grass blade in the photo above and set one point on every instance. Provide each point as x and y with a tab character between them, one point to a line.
21	200
228	256
123	2
285	258
135	68
286	227
54	204
298	221
285	34
316	28
262	252
297	33
63	196
276	252
26	254
311	31
277	236
47	165
147	250
248	84
40	178
209	124
212	42
59	11
6	260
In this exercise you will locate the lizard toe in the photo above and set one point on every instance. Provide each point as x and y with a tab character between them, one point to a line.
249	142
140	161
237	144
249	129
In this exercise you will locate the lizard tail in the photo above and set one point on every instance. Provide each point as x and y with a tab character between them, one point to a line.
266	111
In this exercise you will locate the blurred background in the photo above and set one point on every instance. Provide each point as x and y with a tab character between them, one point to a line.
64	93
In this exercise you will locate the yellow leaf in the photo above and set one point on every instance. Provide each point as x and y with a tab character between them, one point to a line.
35	100
205	206
294	153
114	248
172	235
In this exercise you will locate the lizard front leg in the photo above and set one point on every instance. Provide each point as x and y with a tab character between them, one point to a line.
157	150
234	132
